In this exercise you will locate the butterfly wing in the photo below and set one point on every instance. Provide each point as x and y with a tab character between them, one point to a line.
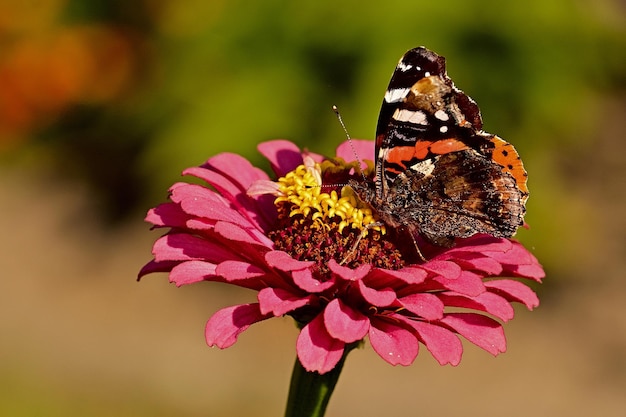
421	106
457	194
437	172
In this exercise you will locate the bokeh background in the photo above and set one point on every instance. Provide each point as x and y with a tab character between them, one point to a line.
104	102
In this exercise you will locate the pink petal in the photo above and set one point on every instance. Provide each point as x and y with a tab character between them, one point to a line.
224	327
427	306
199	223
482	331
191	272
532	271
237	169
467	283
260	211
488	302
531	268
232	231
387	277
232	184
317	350
284	156
443	344
484	264
284	262
349	274
356	149
199	201
518	260
280	302
237	270
187	247
304	279
514	291
448	270
378	297
514	255
394	344
167	215
262	187
153	266
345	323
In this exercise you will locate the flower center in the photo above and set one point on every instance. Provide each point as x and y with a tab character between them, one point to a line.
314	225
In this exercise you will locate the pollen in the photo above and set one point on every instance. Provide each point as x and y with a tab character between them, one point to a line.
302	190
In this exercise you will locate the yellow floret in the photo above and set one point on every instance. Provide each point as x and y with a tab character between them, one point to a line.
302	188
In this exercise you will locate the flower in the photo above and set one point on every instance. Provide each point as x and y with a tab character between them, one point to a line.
313	251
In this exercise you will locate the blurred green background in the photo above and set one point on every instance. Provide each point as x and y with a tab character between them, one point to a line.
104	102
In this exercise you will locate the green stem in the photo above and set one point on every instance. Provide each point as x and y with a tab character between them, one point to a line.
309	392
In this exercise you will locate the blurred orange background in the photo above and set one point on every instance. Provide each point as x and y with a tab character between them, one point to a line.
104	102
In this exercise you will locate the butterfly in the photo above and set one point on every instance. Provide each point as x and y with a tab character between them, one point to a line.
438	175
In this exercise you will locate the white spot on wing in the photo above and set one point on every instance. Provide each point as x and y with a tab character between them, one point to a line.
404	115
424	167
396	95
442	115
443	129
404	67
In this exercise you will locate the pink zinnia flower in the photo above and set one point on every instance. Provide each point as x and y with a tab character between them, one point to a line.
310	255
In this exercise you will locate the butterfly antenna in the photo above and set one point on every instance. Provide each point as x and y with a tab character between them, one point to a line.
345	130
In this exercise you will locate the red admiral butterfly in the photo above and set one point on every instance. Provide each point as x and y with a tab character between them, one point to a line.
438	174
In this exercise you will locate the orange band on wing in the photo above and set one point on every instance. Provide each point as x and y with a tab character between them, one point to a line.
400	154
422	148
445	146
